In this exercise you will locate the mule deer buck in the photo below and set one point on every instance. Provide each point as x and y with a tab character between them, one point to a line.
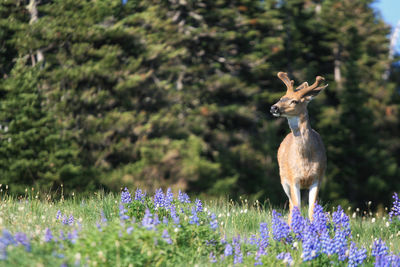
301	155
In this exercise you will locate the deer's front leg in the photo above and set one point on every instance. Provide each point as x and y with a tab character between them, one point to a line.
293	193
312	197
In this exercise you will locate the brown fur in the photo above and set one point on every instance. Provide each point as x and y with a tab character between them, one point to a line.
301	155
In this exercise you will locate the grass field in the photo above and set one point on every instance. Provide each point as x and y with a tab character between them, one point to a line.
165	230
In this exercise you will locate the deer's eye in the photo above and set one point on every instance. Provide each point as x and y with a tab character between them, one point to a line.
294	102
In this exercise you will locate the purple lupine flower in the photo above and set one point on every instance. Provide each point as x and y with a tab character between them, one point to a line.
174	216
298	223
356	256
253	240
103	217
228	250
213	222
212	257
48	236
340	243
183	197
3	250
264	238
257	258
65	220
8	238
194	219
156	220
169	197
286	257
238	256
341	220
22	239
58	215
166	237
327	244
71	220
139	196
280	229
165	220
122	213
311	243
99	227
199	205
72	236
320	219
126	196
159	198
129	230
379	248
395	210
62	235
387	260
147	221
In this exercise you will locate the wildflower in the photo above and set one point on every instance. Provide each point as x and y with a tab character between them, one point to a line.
340	243
129	230
8	238
22	239
72	236
379	248
213	222
228	250
71	220
165	220
327	245
253	240
126	196
166	237
139	196
169	197
238	256
174	216
194	219
298	223
48	236
62	235
286	257
257	258
183	197
58	215
341	220
156	220
147	221
311	243
320	219
122	212
103	217
280	229
395	210
264	238
356	256
159	198
199	205
212	257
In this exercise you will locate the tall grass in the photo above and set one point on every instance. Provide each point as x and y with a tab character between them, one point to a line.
110	243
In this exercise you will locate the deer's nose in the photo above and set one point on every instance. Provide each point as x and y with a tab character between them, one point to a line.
274	109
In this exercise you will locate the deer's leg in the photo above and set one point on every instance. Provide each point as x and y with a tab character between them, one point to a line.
286	188
296	199
312	197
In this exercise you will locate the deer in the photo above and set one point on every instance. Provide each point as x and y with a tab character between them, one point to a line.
301	155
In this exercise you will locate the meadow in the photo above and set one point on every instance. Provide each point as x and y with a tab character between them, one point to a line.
170	229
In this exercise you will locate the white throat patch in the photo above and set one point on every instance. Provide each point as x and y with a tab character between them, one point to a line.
294	124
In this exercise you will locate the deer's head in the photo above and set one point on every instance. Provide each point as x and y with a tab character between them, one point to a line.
295	101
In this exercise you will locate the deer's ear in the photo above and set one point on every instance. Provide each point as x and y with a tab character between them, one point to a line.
313	93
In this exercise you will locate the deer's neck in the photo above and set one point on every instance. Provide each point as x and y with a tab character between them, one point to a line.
301	129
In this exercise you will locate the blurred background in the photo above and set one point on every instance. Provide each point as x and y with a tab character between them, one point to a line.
176	93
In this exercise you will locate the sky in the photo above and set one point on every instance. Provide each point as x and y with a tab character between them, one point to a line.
390	11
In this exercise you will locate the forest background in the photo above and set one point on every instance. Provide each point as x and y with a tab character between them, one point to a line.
158	93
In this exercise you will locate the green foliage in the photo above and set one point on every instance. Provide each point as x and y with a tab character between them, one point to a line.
176	93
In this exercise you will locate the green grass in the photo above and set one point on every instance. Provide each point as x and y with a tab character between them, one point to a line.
112	246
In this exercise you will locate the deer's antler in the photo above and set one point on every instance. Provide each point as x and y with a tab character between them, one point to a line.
304	89
289	84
